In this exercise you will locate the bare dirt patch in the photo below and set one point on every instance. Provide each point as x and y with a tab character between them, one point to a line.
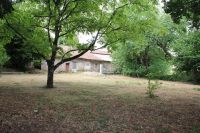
85	103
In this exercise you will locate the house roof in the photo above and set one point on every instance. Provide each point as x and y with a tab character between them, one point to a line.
97	55
101	52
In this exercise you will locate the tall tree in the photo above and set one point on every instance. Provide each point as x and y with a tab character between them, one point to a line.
46	23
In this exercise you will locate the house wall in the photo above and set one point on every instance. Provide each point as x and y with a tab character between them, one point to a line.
108	68
92	66
83	65
80	65
61	68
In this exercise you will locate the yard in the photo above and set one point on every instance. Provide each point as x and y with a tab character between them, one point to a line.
104	104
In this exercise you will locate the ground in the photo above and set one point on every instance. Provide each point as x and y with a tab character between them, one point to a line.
94	103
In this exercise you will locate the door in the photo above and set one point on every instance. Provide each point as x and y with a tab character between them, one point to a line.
67	67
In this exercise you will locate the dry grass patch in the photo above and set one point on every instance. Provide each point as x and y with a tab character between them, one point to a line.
83	103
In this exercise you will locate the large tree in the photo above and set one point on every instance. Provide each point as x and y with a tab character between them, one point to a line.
45	24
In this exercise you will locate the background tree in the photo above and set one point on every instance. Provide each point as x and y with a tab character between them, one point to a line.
187	8
187	46
20	54
187	59
152	53
5	7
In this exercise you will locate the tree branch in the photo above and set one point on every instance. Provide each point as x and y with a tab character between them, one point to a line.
44	27
49	21
70	12
65	5
16	31
68	31
100	47
80	54
41	55
112	16
73	50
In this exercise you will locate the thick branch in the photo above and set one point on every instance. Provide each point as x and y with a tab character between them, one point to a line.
100	47
80	54
73	50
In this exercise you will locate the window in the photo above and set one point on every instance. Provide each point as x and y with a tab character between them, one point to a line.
87	66
74	65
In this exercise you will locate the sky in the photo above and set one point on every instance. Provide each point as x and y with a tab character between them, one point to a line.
85	38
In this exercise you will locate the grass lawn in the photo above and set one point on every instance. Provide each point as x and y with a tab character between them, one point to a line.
101	104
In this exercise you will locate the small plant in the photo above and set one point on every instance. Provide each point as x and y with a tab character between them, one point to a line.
152	87
195	129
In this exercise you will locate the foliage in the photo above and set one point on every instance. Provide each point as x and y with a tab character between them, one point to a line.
187	8
150	57
3	56
21	40
20	54
187	49
187	46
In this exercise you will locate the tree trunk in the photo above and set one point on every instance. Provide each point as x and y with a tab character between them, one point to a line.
50	75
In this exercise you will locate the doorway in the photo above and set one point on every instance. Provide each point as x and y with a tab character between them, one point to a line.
67	67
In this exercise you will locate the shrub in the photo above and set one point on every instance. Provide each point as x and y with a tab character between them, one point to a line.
152	87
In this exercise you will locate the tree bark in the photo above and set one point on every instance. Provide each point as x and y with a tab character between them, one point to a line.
50	75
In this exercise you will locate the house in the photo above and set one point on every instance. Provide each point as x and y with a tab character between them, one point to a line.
91	61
